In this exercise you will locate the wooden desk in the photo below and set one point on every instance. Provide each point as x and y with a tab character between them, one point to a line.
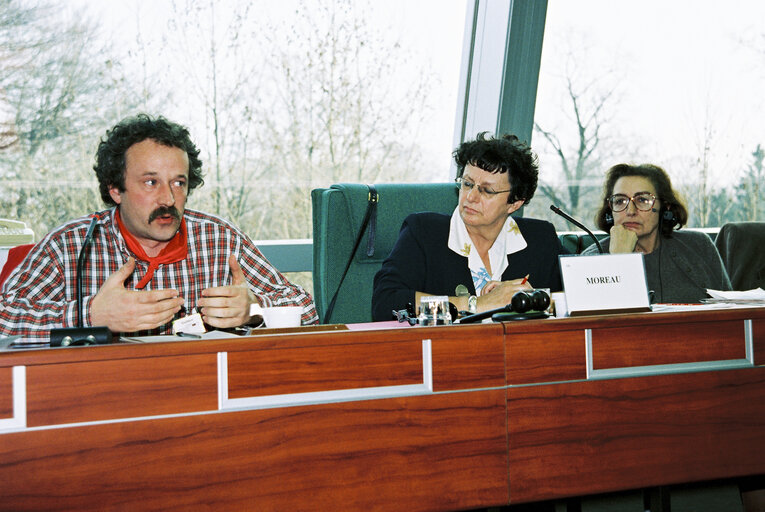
441	418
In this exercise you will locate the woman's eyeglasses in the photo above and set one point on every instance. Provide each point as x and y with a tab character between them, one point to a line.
643	201
467	185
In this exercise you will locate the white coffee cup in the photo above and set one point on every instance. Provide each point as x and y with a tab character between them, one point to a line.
282	316
559	300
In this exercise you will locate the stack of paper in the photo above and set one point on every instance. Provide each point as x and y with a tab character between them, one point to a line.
751	297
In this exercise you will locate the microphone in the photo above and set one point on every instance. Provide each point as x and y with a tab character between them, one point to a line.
66	336
577	224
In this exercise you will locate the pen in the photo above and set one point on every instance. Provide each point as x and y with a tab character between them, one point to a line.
525	279
188	335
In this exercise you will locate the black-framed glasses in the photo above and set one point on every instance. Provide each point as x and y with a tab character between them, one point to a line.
466	186
642	201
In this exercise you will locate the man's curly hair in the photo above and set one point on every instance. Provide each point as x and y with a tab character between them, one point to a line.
506	154
110	155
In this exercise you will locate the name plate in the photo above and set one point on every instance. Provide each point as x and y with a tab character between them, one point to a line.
604	283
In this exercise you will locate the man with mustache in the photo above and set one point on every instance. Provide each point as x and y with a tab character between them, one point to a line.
151	260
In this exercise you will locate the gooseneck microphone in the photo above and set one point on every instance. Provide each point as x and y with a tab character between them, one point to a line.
577	224
80	335
80	264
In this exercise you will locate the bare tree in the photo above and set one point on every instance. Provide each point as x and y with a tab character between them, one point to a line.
749	189
583	135
278	108
580	163
344	112
703	183
222	82
305	101
56	90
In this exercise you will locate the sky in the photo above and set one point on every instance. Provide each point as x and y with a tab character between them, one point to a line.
681	68
433	29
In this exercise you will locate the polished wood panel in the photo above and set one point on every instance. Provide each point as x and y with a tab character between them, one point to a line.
683	342
463	357
468	357
6	393
599	436
105	390
323	368
478	441
636	319
441	452
552	356
758	334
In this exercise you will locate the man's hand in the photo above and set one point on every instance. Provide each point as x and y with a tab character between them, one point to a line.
228	306
123	310
622	240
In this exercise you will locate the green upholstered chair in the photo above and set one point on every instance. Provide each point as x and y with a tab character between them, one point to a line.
577	241
338	212
742	248
572	241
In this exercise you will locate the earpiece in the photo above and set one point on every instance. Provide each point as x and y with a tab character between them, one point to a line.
525	306
540	301
537	300
520	302
669	217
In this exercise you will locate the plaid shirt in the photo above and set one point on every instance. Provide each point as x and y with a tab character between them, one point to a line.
40	294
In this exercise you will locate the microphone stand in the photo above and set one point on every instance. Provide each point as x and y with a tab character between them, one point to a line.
577	224
66	336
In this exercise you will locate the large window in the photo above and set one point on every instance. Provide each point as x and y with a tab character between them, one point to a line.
291	95
678	84
280	96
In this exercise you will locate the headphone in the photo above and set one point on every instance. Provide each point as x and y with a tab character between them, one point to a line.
668	216
523	306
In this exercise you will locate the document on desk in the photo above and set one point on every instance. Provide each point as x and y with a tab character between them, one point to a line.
673	306
719	300
754	294
19	342
210	335
754	297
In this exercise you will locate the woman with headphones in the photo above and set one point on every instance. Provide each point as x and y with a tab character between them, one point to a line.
640	212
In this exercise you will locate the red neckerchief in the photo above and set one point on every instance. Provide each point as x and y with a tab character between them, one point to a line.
173	252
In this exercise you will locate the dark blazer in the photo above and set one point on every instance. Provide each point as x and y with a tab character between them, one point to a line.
682	269
422	261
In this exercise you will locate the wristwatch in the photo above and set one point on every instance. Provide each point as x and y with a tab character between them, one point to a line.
472	304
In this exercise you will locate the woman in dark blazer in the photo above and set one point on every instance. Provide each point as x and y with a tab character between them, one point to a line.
480	255
642	213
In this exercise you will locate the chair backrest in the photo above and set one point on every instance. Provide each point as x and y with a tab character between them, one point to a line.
577	241
338	212
15	256
742	249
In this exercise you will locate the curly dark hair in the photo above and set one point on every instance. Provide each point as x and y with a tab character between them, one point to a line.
110	155
506	154
668	198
